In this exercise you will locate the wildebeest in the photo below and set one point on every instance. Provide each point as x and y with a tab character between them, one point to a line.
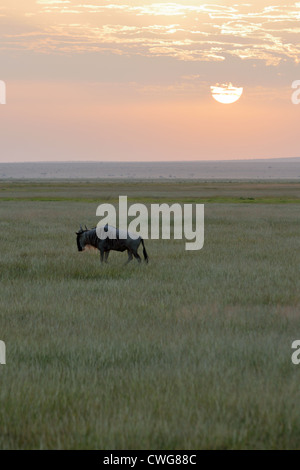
129	242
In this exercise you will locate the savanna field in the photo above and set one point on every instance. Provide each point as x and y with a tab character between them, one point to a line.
192	351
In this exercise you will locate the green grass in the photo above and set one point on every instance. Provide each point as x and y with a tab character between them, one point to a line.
153	200
192	191
192	351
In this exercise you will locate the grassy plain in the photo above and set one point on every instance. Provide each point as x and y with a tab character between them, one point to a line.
192	351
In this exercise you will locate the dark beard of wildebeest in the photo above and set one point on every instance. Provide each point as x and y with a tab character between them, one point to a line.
89	238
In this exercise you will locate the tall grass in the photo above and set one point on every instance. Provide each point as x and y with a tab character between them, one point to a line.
192	351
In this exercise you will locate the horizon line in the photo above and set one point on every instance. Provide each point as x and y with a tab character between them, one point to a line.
150	161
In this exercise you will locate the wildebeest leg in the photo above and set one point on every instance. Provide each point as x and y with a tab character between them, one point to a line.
129	257
106	256
101	256
137	256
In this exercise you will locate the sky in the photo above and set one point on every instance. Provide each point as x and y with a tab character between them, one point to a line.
115	80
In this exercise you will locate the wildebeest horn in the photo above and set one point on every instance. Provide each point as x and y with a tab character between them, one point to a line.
80	227
86	227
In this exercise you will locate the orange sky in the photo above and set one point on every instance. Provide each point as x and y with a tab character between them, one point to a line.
131	81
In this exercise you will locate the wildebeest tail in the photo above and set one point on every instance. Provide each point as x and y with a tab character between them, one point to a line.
145	252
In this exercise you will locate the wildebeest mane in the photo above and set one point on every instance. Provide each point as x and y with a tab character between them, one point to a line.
91	238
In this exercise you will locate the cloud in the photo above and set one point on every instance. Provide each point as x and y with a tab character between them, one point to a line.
51	2
183	30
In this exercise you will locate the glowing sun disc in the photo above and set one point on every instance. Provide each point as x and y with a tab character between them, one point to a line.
226	93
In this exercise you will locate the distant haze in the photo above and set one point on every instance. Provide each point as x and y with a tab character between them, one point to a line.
243	169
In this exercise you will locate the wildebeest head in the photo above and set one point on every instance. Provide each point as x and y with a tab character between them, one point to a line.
80	239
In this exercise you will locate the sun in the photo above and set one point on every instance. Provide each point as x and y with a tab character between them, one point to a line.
226	93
